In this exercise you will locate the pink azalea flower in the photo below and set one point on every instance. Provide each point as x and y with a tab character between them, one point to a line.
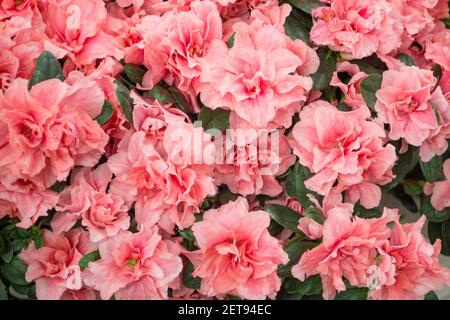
261	79
54	267
134	266
403	102
440	190
417	267
49	129
350	89
345	151
358	28
238	255
349	247
104	214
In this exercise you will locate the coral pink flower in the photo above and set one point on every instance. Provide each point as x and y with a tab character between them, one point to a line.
403	103
76	26
12	8
255	165
258	79
48	130
104	214
437	45
23	199
238	254
417	267
358	28
177	42
349	247
351	87
345	151
440	190
134	266
54	267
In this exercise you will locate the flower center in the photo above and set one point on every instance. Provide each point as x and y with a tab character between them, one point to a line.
132	262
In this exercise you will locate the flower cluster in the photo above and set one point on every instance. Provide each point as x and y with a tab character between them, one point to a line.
222	149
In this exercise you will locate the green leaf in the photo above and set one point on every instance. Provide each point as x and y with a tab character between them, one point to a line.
311	286
404	165
315	214
366	213
134	73
407	60
225	195
187	234
353	294
214	119
322	78
47	67
285	216
295	185
435	231
14	271
446	21
58	186
432	170
2	244
275	228
369	88
298	25
188	280
437	72
431	213
431	296
123	95
406	200
445	231
7	253
230	41
90	257
294	248
106	114
365	67
306	5
3	293
166	94
413	188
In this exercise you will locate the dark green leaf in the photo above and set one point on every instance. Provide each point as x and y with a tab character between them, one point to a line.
298	25
413	188
230	41
431	213
14	271
362	212
188	280
306	5
165	94
47	67
295	249
432	170
353	294
274	228
437	72
285	216
406	200
326	69
435	231
134	73
311	285
3	293
106	114
445	231
90	257
187	234
407	60
58	186
214	119
365	67
295	185
2	244
369	88
431	296
225	195
7	253
123	95
315	214
404	165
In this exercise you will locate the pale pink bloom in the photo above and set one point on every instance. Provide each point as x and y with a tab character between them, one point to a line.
239	256
403	102
417	267
254	166
103	214
82	294
349	247
48	130
351	88
134	266
54	267
76	26
23	199
174	46
12	8
437	46
262	79
440	190
312	229
345	151
358	28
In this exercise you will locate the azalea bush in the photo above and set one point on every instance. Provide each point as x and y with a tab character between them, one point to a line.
224	149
